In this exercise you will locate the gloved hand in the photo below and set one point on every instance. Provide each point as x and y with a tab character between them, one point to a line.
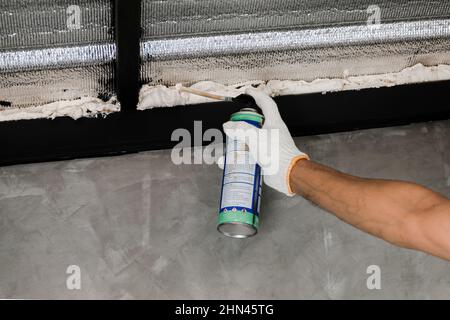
271	146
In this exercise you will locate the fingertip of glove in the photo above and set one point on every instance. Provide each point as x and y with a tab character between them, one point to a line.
251	90
255	93
228	125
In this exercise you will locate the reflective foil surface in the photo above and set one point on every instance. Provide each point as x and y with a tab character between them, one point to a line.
64	49
233	41
53	50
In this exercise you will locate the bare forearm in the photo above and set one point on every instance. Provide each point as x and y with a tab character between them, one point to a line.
387	209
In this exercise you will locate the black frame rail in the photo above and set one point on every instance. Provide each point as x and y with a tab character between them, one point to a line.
124	132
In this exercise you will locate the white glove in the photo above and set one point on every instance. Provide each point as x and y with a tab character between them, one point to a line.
271	146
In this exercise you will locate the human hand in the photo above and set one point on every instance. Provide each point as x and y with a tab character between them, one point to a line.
271	146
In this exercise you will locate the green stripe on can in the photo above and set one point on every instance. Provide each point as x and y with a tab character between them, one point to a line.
247	116
240	217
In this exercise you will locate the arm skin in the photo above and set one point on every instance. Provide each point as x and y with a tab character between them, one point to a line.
402	213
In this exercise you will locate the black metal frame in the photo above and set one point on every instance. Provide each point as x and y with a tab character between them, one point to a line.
127	28
63	138
133	131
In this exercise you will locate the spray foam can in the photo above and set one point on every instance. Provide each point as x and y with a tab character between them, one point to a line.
241	184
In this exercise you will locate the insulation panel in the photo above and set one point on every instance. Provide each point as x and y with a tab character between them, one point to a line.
53	50
234	41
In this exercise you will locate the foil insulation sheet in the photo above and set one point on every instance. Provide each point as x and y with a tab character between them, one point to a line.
233	41
54	50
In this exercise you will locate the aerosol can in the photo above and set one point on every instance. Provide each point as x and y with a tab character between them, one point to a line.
241	184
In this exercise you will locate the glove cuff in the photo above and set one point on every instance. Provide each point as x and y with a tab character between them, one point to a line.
292	164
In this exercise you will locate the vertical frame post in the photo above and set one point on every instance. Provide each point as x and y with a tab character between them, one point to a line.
127	28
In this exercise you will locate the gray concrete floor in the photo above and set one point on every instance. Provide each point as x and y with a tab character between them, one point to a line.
139	226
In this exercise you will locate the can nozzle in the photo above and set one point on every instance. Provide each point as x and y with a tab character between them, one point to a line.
247	101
